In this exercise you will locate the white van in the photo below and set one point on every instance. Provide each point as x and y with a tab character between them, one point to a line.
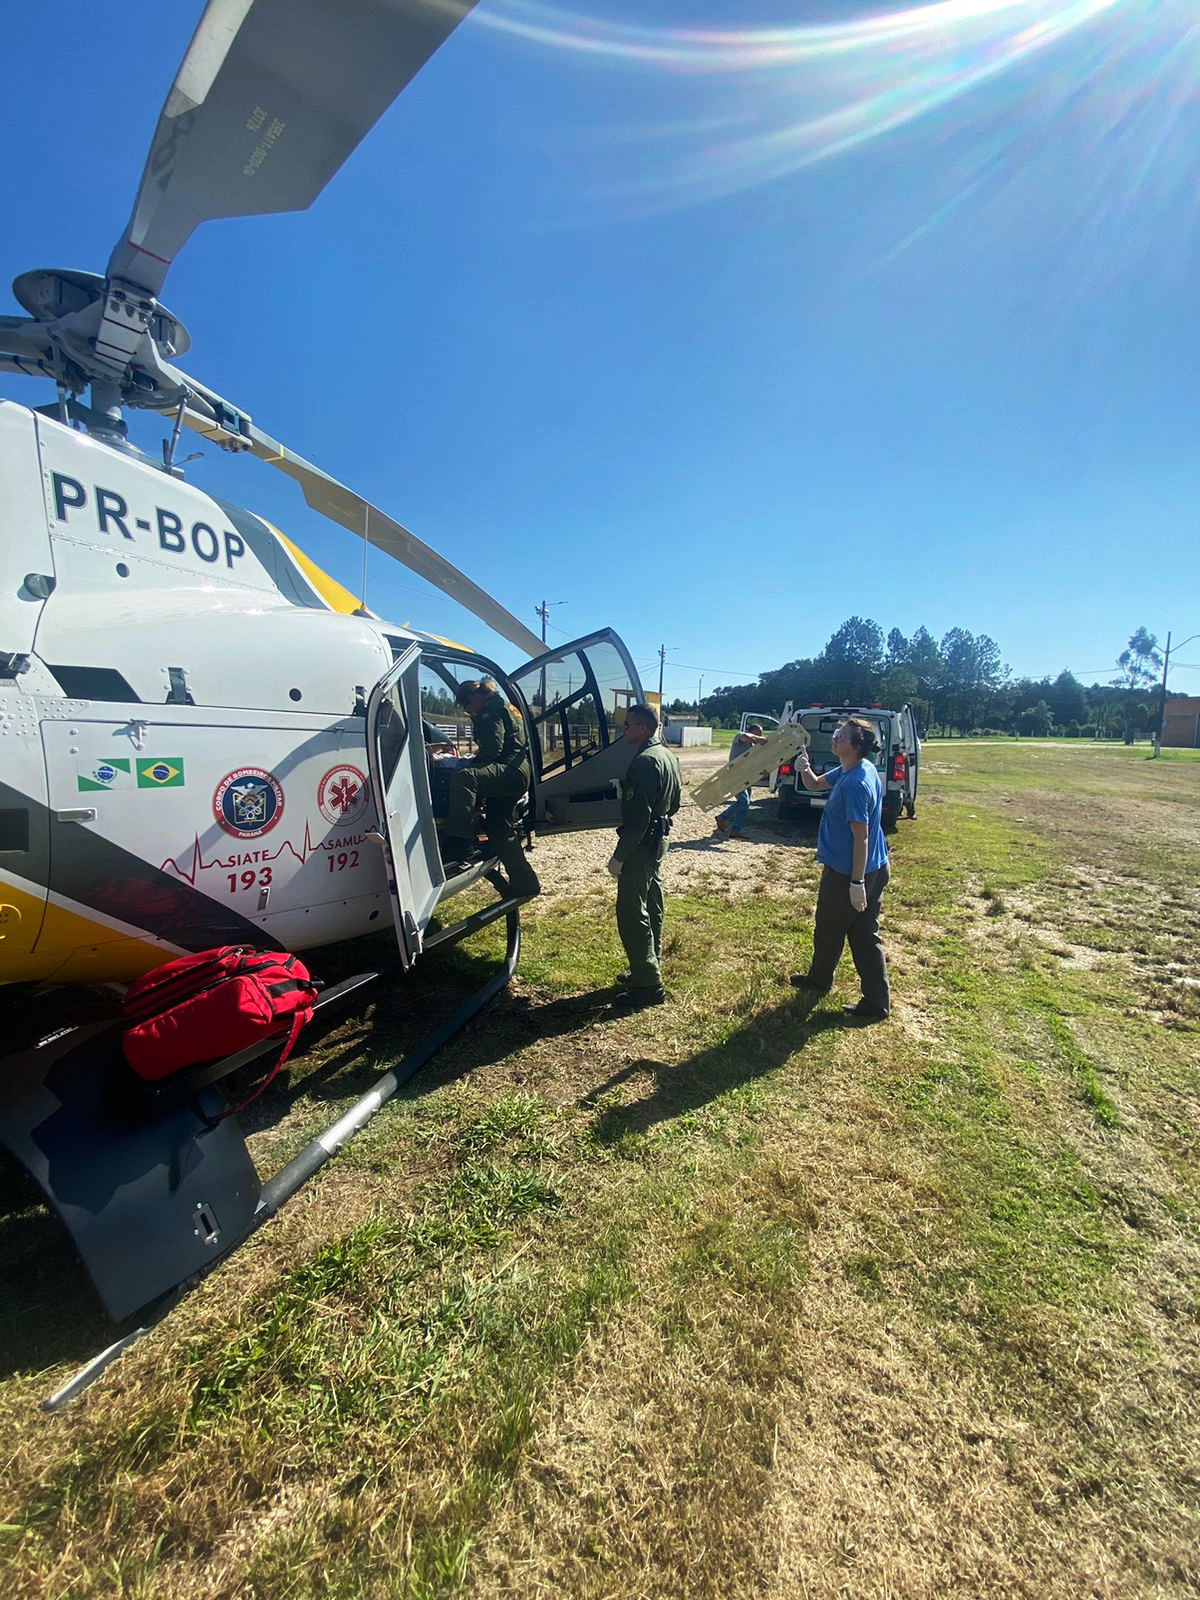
898	758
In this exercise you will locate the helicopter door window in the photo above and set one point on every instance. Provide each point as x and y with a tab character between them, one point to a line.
442	728
566	715
439	708
578	704
392	732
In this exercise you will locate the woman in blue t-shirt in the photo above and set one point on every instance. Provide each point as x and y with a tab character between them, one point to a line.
853	852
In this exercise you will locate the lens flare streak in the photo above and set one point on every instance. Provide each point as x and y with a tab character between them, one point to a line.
738	107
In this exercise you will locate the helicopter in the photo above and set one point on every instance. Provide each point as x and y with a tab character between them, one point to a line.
208	740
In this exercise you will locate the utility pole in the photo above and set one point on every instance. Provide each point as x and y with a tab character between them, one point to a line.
543	611
699	693
1162	697
1162	693
662	661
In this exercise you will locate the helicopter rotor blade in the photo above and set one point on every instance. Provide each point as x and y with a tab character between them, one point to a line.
271	98
23	337
25	347
341	505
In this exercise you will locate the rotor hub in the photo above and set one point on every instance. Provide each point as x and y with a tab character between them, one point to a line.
50	293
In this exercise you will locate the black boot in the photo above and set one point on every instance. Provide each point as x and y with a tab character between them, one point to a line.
630	999
459	854
863	1014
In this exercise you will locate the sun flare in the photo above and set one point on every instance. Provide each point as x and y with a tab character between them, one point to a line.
736	107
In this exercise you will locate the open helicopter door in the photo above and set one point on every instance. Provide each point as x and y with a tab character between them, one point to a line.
577	697
400	785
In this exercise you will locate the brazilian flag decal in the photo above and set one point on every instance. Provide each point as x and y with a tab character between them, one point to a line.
160	772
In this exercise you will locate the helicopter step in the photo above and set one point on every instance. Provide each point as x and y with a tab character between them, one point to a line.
156	1186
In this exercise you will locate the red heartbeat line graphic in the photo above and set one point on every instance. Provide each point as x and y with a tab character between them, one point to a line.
252	855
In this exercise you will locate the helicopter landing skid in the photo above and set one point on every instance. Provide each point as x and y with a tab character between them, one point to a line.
181	1194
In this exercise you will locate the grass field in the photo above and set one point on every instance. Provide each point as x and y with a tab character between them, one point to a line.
720	1299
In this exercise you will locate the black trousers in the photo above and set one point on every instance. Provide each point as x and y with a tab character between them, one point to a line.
837	921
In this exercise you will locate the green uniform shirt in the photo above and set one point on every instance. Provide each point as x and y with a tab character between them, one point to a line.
651	789
499	734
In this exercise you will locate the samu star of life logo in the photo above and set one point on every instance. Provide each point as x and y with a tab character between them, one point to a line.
342	795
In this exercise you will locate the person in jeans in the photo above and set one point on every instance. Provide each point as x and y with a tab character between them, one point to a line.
733	819
853	853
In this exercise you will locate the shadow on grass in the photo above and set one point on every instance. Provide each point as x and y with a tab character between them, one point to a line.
48	1311
762	1046
797	832
400	1015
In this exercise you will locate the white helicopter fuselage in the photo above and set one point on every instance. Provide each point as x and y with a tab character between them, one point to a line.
181	718
207	741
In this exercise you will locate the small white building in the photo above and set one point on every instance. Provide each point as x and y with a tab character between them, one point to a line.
685	731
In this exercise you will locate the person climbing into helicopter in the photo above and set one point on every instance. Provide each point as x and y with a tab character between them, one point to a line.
498	774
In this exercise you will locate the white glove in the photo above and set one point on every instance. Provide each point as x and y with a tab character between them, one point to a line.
858	896
614	866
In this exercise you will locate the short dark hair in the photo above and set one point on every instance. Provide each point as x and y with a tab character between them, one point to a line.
754	727
862	735
643	713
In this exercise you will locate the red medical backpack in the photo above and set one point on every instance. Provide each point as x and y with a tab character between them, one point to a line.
213	1004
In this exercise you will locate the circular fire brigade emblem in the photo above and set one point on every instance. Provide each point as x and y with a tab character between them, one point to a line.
248	802
342	795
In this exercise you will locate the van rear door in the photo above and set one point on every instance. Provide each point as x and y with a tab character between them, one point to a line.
911	746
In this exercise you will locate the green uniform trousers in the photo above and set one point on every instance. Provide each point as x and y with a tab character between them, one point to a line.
640	912
522	879
499	786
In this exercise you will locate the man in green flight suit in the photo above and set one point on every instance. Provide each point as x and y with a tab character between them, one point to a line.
498	774
649	799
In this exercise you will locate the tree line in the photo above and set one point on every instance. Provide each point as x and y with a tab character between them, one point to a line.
955	685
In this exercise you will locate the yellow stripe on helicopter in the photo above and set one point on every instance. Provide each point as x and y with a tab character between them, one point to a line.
334	595
72	947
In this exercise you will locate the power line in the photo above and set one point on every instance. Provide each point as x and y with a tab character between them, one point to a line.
733	672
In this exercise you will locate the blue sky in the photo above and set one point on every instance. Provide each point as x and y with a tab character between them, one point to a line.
716	322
